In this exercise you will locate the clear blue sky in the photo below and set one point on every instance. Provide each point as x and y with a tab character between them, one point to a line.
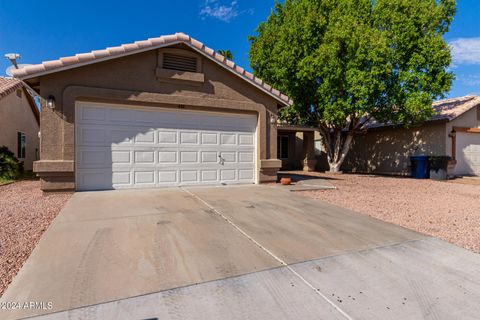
46	30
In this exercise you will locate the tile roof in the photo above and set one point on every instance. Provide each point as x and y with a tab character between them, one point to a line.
451	109
448	109
9	85
81	59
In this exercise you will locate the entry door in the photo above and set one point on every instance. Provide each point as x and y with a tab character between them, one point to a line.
467	153
138	147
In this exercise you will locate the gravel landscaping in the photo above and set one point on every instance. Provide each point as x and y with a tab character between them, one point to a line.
25	213
447	210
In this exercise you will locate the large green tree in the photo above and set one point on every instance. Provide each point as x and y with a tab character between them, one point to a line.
345	62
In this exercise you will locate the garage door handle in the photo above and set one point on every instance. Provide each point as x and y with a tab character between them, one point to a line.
221	161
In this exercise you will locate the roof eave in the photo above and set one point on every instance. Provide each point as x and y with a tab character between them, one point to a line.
233	70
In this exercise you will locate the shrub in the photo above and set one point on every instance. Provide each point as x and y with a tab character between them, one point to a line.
10	167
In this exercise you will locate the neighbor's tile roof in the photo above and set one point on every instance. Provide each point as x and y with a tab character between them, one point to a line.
451	109
140	46
448	110
9	85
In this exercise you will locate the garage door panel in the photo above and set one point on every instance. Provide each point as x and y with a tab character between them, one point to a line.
92	136
245	157
92	115
209	157
209	138
228	175
167	137
245	174
228	139
468	154
187	137
94	157
151	147
94	179
144	157
122	178
167	157
166	177
188	157
245	139
119	137
121	157
209	175
145	137
229	156
144	177
189	176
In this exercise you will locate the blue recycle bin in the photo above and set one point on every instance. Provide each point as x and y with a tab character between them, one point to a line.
420	168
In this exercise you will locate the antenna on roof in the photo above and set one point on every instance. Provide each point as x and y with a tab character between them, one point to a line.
13	58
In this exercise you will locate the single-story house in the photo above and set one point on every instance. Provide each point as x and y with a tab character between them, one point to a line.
19	121
454	131
166	111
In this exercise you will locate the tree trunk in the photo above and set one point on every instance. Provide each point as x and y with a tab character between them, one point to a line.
337	145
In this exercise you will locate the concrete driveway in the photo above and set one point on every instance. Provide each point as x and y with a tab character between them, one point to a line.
244	252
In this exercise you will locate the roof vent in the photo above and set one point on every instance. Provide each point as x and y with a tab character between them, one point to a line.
180	63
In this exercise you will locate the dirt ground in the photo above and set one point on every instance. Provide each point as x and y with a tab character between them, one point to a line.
447	210
25	213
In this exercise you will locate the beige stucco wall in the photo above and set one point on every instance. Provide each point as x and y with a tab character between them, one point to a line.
387	151
16	115
132	80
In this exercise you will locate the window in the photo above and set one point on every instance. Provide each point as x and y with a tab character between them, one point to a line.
180	63
19	93
282	148
21	145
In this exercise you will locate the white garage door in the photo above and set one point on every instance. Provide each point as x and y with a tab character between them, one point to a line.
139	147
468	154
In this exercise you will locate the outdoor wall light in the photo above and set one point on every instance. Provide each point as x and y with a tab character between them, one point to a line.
51	102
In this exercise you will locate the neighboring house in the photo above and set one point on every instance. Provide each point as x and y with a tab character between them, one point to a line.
166	111
453	131
385	149
19	121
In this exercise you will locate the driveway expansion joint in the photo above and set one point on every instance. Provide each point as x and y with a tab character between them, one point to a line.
281	261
